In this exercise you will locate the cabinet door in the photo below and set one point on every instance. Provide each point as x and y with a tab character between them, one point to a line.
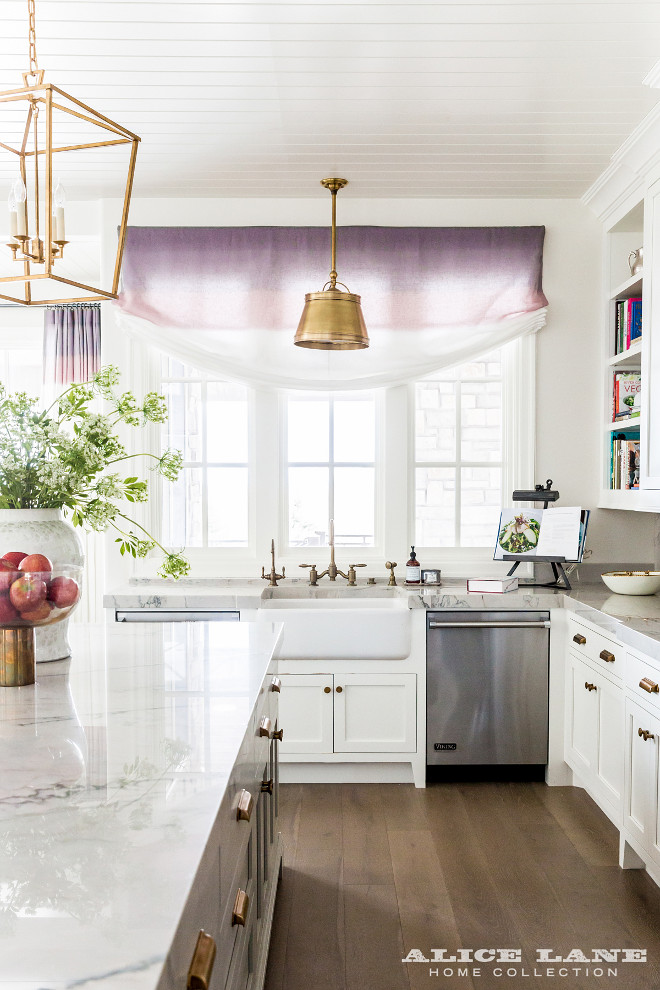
375	713
305	713
641	792
611	741
582	718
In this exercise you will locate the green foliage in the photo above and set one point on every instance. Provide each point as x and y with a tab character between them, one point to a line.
63	457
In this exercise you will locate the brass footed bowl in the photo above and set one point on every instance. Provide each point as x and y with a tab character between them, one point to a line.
29	599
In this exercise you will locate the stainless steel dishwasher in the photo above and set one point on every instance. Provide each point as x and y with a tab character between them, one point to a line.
487	694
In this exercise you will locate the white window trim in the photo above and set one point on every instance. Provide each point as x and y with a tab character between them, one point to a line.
518	456
299	555
395	466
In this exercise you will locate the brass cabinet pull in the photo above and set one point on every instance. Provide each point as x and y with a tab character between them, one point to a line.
265	726
276	685
647	684
579	639
607	656
339	690
245	804
327	690
201	964
278	734
589	687
645	734
240	909
267	786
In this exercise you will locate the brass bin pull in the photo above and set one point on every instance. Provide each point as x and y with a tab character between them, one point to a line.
201	964
278	734
607	656
276	685
240	909
589	687
265	726
580	640
645	734
647	684
245	805
267	786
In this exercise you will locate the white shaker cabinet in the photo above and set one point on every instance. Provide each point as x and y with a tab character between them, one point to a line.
595	734
640	818
348	713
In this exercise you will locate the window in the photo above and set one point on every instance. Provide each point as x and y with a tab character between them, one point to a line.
331	468
208	422
21	360
458	455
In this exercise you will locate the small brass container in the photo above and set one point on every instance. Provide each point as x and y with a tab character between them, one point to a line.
17	665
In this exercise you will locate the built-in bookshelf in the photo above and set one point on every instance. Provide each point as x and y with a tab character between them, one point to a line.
623	377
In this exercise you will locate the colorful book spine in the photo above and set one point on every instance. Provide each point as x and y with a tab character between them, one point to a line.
628	323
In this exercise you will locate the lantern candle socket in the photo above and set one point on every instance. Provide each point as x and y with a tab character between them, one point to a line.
16	202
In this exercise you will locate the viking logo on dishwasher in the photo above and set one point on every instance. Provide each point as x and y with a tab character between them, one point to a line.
439	746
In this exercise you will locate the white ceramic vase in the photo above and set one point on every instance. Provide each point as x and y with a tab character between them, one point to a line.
43	531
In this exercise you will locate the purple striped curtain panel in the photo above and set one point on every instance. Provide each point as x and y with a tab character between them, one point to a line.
72	343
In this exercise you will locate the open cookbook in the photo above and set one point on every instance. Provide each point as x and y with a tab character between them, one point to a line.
557	533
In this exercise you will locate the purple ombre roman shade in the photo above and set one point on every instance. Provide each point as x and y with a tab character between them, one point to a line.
233	296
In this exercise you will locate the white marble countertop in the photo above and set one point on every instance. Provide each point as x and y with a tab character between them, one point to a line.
114	765
634	619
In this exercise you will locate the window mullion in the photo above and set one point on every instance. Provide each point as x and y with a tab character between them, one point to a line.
205	479
331	457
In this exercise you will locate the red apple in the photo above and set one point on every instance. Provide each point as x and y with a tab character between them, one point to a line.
63	592
8	574
8	613
36	563
28	592
15	557
37	614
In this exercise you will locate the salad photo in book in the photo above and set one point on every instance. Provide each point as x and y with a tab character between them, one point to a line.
557	532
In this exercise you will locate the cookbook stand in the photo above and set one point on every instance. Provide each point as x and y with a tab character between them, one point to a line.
545	495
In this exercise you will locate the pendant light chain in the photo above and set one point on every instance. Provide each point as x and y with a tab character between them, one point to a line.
32	37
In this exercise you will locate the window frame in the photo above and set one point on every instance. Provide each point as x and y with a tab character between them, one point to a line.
518	453
204	463
299	554
458	463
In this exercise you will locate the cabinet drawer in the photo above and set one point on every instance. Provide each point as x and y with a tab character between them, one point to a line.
643	681
606	653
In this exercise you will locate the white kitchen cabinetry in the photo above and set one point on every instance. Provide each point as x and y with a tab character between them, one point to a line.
640	818
595	734
349	713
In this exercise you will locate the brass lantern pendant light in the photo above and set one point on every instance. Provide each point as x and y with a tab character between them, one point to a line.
332	320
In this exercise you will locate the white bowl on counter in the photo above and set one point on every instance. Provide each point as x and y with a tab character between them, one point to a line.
632	582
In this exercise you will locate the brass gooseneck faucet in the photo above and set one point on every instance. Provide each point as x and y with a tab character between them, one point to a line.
332	570
273	577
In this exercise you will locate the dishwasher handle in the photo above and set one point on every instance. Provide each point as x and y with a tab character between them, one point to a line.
489	625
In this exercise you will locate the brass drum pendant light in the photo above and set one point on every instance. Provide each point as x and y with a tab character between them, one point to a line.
332	320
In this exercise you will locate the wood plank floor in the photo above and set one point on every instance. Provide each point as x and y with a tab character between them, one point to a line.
372	871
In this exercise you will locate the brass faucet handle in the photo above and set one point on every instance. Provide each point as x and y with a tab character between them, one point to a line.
351	574
313	573
390	565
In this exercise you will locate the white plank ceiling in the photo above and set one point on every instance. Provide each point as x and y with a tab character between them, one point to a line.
462	99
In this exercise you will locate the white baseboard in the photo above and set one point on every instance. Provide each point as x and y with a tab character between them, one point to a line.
346	773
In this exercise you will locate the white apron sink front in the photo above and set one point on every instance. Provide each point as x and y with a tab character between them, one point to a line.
341	628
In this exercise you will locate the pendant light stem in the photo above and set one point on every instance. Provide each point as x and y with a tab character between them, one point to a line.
333	259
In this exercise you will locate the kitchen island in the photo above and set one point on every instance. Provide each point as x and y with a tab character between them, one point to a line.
122	769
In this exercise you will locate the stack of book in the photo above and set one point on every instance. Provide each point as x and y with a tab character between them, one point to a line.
624	464
626	395
628	327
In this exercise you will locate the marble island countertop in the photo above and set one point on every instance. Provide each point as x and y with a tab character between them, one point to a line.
634	619
114	765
